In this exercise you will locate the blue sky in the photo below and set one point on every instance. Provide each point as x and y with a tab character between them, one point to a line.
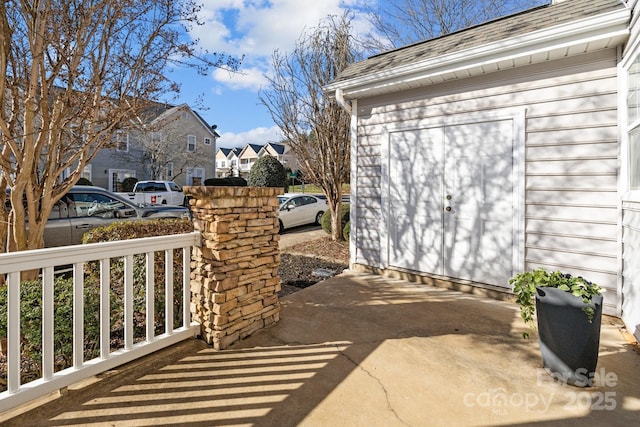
254	28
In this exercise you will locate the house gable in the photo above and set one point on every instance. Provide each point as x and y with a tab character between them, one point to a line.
188	139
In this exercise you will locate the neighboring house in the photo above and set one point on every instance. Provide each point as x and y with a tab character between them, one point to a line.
228	159
165	142
247	157
227	162
282	152
501	148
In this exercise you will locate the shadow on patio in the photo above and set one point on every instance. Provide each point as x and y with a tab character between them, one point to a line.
361	350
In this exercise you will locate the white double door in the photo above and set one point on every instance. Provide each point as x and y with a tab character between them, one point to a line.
452	201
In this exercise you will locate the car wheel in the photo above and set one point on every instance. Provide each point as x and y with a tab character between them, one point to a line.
281	228
319	217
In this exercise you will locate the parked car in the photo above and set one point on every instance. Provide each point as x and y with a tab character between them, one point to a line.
156	193
84	208
300	209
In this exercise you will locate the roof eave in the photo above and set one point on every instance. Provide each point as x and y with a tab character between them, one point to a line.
581	36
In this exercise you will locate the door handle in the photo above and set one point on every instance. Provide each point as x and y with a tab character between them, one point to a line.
84	226
448	196
448	209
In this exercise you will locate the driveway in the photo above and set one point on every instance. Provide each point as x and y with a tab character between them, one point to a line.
362	350
302	234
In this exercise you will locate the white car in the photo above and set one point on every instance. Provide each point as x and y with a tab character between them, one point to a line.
300	209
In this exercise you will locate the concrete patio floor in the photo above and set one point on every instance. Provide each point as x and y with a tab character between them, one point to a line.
362	350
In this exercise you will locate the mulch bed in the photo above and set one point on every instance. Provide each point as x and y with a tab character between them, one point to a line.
297	271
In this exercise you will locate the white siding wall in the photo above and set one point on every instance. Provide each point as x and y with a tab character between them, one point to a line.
571	158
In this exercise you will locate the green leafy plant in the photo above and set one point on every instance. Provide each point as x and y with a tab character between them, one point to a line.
84	181
31	323
325	221
230	181
524	286
268	172
128	183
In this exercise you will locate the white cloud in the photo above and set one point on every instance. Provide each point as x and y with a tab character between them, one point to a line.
257	28
247	78
260	136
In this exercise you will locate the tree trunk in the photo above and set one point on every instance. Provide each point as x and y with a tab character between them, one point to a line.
336	219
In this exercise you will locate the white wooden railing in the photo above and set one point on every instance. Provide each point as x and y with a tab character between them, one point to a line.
46	260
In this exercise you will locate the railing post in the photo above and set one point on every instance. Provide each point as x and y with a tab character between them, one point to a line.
234	276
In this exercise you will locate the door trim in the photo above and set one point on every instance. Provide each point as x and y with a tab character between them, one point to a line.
517	116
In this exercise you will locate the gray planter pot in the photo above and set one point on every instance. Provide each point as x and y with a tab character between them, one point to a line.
568	341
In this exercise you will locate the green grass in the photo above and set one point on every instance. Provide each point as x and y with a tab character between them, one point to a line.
312	188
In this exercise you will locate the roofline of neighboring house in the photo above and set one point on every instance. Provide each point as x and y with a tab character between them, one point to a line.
579	36
172	108
252	147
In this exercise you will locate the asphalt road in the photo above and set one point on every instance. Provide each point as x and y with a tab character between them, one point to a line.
302	234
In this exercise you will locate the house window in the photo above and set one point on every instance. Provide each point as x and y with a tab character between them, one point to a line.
207	141
191	143
122	140
169	170
86	172
633	119
223	164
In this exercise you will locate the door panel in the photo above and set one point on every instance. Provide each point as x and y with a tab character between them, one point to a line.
478	230
416	207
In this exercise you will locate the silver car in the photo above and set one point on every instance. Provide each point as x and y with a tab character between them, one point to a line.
84	208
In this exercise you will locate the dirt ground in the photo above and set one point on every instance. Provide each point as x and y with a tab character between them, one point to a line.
308	263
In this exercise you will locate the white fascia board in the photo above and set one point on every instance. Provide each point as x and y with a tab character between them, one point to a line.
602	27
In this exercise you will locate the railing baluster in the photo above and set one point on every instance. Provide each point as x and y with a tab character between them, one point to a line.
47	323
168	291
128	302
46	260
186	287
78	314
105	308
150	270
13	332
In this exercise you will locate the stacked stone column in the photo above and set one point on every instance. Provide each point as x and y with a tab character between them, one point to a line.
234	273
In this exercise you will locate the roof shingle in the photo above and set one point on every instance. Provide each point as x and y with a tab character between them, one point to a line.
503	28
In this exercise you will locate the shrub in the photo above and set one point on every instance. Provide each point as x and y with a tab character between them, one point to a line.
230	181
31	323
325	221
124	230
128	184
137	229
346	231
84	181
268	172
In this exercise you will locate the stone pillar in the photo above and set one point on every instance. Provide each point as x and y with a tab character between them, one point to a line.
234	274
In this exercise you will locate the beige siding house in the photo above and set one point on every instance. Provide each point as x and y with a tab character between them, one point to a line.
503	148
167	142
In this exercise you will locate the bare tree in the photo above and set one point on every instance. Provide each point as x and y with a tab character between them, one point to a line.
73	72
403	22
162	144
314	126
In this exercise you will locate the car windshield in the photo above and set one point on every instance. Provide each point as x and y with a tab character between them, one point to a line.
282	199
